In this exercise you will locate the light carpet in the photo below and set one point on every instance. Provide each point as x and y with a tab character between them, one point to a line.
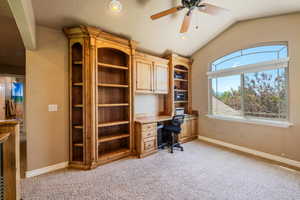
201	172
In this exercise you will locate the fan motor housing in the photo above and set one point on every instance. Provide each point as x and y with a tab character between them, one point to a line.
191	3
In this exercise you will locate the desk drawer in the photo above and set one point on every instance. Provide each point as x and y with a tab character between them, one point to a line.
148	127
149	144
149	133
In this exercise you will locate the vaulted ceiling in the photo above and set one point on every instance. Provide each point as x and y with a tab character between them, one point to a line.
160	35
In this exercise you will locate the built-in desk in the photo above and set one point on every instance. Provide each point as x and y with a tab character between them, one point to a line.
153	119
146	132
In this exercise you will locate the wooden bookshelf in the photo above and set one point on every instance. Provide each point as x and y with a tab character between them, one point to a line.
76	102
180	74
100	96
114	104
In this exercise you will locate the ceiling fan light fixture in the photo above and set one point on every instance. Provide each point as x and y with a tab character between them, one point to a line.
183	36
115	6
202	7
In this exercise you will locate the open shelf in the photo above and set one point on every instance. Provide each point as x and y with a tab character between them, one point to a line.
113	154
78	106
116	123
112	66
181	70
78	62
112	85
113	105
181	101
78	145
113	102
180	90
78	126
77	84
108	138
179	79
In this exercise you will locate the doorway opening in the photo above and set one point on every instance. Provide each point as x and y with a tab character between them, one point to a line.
12	107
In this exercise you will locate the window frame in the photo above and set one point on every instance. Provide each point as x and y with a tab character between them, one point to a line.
241	70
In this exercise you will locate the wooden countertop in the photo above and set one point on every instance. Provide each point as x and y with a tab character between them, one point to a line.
9	122
3	137
154	119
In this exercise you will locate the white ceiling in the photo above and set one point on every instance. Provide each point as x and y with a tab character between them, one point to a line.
160	35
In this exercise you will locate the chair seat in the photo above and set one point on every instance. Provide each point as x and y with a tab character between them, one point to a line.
173	129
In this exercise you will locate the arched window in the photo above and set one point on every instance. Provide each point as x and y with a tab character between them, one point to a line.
251	83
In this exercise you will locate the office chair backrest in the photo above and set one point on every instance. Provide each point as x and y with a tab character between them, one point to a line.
177	120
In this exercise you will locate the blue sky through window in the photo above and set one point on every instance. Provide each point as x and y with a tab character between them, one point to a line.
244	57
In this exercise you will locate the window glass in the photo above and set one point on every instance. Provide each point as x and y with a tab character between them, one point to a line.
265	94
250	56
226	96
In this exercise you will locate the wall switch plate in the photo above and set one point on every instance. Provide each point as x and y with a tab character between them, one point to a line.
52	107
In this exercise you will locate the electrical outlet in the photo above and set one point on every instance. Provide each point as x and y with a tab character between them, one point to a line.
52	107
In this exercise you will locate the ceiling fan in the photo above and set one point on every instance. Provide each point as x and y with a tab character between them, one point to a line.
191	5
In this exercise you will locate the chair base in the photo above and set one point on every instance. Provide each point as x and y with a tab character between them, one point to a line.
175	144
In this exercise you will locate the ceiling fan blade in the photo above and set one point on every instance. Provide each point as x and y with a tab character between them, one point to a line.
166	12
186	23
212	10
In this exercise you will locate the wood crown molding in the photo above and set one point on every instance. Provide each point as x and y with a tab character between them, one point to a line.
141	55
94	32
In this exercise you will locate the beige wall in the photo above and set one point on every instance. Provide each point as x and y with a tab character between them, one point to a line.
148	104
47	83
279	141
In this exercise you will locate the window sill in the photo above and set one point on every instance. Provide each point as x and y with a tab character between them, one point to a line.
281	124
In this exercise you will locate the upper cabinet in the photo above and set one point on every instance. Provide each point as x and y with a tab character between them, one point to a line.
144	80
161	78
151	74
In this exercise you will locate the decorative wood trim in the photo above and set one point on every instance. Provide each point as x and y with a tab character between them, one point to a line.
47	169
278	159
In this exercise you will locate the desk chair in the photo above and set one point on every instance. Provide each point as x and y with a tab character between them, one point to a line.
174	130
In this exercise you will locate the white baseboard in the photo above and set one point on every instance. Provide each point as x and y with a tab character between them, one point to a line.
253	152
45	170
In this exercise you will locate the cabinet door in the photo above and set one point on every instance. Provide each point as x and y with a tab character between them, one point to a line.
144	78
161	78
194	127
189	128
184	130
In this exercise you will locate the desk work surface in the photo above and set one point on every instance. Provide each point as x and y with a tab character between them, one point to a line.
153	119
160	118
